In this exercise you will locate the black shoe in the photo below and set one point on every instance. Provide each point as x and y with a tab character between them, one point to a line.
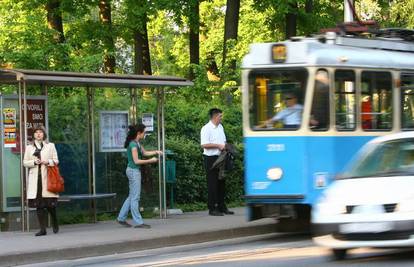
215	213
124	223
55	228
41	232
143	226
228	212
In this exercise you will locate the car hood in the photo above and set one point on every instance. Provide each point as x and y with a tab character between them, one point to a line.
373	190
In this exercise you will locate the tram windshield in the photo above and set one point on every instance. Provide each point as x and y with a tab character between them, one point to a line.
276	98
393	158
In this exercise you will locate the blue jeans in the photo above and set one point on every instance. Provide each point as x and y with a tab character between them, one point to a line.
132	202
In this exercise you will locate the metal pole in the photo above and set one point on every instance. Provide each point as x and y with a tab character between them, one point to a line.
159	148
22	169
91	150
22	147
348	13
164	197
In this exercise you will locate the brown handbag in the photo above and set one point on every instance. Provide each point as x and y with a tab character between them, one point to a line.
55	182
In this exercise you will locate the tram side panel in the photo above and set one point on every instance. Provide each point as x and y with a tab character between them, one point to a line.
285	174
275	174
327	156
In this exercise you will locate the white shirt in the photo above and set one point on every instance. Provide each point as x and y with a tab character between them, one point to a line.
290	115
212	134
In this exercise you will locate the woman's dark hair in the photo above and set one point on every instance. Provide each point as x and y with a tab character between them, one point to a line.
39	129
133	130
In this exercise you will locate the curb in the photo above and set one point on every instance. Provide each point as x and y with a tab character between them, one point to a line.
132	245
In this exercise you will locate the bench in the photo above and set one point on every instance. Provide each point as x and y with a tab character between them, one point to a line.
69	198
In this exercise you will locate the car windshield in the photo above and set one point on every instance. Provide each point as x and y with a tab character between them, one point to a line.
392	158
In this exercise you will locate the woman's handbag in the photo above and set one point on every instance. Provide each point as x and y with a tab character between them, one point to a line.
55	183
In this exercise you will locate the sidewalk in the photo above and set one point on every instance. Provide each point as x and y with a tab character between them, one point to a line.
102	238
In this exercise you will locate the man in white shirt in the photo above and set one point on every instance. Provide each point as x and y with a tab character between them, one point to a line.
213	141
291	116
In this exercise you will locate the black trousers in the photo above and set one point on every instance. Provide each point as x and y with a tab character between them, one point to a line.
216	187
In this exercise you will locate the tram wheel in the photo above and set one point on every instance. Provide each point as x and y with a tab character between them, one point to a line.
299	223
339	254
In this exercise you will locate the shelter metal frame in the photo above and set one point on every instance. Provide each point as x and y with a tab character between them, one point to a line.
90	81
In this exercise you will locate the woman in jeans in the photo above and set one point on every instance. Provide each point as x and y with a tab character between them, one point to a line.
135	153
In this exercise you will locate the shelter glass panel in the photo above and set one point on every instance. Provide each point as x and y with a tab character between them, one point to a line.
376	100
407	101
110	165
68	129
276	98
319	120
10	162
345	107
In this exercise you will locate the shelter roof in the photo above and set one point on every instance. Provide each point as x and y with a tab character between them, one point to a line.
77	79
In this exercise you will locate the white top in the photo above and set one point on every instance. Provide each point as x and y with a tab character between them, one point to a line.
290	115
212	134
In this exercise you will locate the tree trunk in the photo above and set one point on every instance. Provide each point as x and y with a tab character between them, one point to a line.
59	59
231	25
309	6
142	52
291	20
54	20
108	41
194	23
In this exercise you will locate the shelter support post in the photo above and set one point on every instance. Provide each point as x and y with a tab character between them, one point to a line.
91	150
23	140
161	146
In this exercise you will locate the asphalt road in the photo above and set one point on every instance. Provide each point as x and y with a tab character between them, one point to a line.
267	250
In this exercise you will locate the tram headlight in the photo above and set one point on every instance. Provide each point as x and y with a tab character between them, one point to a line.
274	173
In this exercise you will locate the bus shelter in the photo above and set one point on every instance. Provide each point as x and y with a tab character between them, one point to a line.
22	79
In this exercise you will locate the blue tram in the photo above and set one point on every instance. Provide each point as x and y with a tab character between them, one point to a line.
348	89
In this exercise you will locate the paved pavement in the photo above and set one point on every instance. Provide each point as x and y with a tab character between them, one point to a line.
102	238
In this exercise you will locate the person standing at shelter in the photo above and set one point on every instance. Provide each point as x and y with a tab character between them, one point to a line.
38	155
135	154
213	141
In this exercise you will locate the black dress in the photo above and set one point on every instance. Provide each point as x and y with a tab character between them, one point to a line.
39	201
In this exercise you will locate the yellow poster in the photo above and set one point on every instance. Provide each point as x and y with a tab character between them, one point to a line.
9	127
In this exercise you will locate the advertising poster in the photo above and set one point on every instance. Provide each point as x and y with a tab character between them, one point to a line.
9	126
113	130
36	115
148	121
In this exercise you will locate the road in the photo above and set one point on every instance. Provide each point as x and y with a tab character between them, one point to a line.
267	250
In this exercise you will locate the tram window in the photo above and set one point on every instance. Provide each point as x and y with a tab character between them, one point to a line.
345	100
376	100
319	120
276	98
407	101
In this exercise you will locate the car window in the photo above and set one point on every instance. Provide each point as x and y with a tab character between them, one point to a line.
384	159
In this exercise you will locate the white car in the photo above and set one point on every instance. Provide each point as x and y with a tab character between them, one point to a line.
371	204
